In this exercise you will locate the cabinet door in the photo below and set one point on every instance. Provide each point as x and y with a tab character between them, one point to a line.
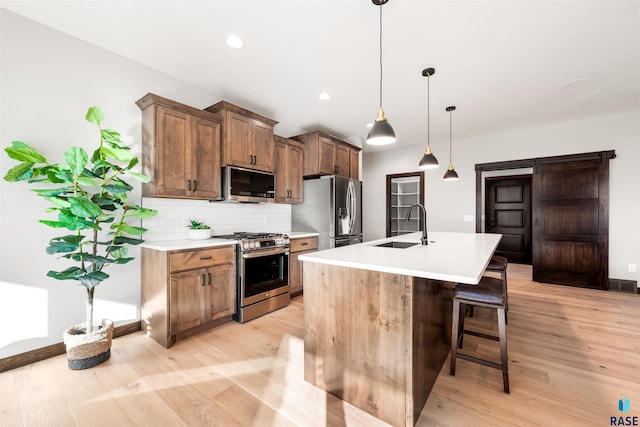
174	152
354	164
262	146
342	160
221	300
326	150
237	140
206	159
282	178
188	291
295	162
295	272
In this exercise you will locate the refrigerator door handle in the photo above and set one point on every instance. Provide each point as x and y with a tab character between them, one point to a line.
351	203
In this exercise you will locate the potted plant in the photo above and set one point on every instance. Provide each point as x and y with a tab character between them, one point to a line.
89	195
198	230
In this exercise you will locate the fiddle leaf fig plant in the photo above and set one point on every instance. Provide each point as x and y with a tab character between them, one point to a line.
89	197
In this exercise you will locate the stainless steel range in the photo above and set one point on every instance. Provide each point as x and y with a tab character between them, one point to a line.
263	273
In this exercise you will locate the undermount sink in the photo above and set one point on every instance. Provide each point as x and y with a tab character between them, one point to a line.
398	245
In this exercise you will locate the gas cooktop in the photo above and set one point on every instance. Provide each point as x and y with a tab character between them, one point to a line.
242	235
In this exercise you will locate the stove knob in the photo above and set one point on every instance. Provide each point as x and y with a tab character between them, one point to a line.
252	245
258	244
245	245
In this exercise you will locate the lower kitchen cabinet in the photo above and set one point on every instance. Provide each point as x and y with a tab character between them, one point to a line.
299	246
187	291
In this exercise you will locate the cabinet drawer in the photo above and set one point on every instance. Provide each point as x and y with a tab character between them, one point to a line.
201	258
304	244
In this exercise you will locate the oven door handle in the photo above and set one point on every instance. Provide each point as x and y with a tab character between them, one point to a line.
265	252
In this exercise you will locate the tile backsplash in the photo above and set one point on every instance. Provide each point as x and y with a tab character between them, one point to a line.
223	217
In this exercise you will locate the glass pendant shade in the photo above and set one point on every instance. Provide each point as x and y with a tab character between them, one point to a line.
381	132
451	174
428	161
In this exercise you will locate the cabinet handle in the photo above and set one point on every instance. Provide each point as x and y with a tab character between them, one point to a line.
335	169
188	185
203	279
304	244
255	160
202	258
195	185
209	277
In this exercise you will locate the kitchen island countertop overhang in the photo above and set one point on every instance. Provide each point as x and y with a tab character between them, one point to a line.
451	257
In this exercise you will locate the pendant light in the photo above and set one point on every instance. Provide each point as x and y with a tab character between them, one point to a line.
428	161
381	132
450	174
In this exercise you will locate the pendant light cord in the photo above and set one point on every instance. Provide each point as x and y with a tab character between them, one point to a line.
428	116
380	56
450	158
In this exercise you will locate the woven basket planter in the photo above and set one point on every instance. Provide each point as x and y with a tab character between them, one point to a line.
88	350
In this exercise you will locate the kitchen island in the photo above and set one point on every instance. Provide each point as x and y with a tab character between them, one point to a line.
378	319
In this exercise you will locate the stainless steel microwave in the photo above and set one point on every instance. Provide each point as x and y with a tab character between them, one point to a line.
246	185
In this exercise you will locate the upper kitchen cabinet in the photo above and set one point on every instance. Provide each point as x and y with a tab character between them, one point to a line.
289	157
180	150
327	155
247	137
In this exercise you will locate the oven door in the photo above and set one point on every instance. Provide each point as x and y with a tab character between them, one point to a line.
264	274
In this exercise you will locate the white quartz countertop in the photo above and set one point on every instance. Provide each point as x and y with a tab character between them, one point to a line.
453	257
175	245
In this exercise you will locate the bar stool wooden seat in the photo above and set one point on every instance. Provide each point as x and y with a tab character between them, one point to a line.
490	293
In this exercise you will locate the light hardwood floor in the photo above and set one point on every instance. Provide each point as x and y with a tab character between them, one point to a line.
573	353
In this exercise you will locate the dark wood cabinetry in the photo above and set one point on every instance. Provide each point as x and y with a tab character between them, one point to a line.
327	155
186	291
289	157
247	137
181	150
299	246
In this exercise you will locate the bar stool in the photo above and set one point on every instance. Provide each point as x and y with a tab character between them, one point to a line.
490	293
497	264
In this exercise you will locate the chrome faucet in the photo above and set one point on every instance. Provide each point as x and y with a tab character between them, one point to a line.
424	239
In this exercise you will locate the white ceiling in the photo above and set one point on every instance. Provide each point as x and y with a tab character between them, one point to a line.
504	64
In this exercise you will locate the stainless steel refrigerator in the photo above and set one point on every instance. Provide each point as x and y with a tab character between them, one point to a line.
332	207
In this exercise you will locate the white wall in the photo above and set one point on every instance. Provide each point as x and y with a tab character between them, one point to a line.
448	202
47	82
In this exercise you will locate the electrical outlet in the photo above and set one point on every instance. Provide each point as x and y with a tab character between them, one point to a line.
632	268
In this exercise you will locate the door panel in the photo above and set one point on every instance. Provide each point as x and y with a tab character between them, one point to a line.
174	166
570	223
508	212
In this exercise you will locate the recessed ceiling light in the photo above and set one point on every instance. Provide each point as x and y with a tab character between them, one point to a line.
235	42
324	96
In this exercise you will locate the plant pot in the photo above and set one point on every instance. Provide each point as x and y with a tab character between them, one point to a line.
200	234
88	350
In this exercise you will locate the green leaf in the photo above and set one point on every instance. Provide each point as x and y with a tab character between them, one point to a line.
70	273
56	224
106	203
59	202
110	135
94	115
60	247
87	182
138	176
20	172
90	280
84	208
121	240
64	175
51	192
121	260
139	212
117	252
128	229
87	257
23	153
76	158
118	186
120	154
70	238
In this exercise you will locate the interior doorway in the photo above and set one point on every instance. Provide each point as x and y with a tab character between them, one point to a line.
508	212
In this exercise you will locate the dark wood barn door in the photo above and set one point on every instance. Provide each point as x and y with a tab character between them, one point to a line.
570	229
508	212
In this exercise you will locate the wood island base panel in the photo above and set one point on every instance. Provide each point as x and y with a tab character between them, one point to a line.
374	339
